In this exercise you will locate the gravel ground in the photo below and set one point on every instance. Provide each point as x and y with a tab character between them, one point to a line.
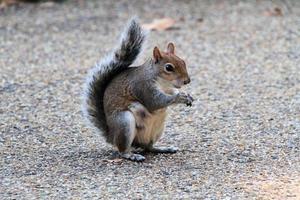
240	140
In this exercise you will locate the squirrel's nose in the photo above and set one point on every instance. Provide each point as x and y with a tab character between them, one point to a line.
187	81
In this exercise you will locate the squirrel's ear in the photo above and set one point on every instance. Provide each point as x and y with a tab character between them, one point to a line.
156	54
171	48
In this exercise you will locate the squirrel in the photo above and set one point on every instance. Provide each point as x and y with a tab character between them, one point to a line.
127	103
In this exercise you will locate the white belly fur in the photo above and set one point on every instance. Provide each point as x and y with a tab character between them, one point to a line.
154	125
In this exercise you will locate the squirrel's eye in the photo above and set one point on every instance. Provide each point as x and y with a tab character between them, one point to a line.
169	68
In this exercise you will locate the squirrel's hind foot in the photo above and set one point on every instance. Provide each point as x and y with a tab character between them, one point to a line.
133	157
161	149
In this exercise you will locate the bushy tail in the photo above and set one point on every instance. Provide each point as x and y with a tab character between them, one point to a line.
100	76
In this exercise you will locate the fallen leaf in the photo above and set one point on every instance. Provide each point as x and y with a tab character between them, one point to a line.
200	19
160	24
274	12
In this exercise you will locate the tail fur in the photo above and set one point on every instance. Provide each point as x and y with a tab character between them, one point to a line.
100	76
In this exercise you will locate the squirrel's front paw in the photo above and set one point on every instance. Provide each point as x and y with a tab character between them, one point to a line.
185	98
190	100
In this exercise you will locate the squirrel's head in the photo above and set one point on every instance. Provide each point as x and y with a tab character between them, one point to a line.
171	68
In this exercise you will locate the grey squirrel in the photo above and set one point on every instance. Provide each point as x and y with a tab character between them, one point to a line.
128	104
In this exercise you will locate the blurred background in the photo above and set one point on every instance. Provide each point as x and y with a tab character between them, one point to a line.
240	140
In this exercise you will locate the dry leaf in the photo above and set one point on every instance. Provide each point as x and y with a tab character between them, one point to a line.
160	24
274	12
200	20
277	11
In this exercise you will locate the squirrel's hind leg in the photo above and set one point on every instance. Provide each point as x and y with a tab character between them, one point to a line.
123	128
